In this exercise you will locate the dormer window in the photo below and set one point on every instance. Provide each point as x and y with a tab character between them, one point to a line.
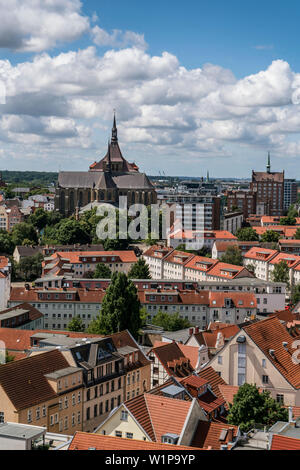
169	438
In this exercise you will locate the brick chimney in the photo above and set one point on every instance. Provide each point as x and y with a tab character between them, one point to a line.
197	329
230	434
191	331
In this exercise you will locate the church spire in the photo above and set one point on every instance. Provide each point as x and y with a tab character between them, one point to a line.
114	132
108	165
269	163
207	176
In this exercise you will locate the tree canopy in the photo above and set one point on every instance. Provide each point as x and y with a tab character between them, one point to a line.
170	322
102	271
247	234
270	236
120	308
232	255
280	272
76	324
139	270
250	407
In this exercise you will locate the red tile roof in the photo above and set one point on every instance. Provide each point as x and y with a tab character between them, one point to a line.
229	271
239	299
86	441
228	392
24	381
284	443
260	254
208	434
201	263
75	256
270	334
172	359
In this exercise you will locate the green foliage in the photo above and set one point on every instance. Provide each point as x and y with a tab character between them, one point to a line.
6	244
9	357
120	308
233	255
76	324
170	322
281	272
288	220
251	268
295	294
270	236
297	234
30	268
140	270
250	407
39	219
24	231
102	271
143	316
247	234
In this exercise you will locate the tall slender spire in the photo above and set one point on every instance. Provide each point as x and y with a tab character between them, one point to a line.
108	166
269	163
114	132
207	177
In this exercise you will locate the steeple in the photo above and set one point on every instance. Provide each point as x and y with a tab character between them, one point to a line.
269	163
114	132
207	177
108	166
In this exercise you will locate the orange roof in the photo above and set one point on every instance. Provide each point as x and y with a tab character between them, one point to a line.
191	352
178	257
288	241
194	234
286	230
173	359
239	299
201	263
228	392
284	443
208	434
3	262
87	441
260	254
228	271
74	256
270	334
222	246
290	259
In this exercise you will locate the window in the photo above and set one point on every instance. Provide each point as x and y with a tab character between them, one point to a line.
73	399
38	413
79	397
66	422
129	435
78	417
29	416
88	414
66	402
1	417
263	363
124	415
118	433
280	398
265	379
73	419
44	411
220	359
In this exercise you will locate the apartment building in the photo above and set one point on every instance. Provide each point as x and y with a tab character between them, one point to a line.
197	239
154	257
86	261
244	200
262	353
174	264
42	390
23	316
232	221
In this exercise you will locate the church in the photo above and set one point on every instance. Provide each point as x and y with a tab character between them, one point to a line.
105	182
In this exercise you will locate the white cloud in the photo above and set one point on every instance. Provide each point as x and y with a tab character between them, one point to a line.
118	38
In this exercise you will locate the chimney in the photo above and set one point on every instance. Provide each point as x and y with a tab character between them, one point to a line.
191	331
290	414
197	329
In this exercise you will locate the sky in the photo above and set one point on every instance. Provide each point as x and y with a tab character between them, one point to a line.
197	85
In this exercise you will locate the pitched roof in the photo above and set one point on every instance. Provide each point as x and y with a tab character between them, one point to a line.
201	263
260	254
228	392
74	256
239	299
284	443
212	434
213	379
228	271
208	400
24	381
87	441
270	334
171	356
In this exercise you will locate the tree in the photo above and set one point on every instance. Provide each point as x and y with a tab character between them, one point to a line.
247	234
120	308
233	255
102	271
170	322
6	244
9	357
139	270
71	231
24	231
297	234
76	324
251	268
295	294
288	220
250	407
270	236
281	272
30	268
39	219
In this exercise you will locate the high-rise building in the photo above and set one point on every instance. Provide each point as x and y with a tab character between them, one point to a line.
244	200
290	193
269	188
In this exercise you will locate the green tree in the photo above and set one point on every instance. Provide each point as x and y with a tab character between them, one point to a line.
120	308
251	268
247	234
280	272
76	324
139	270
250	407
288	220
71	231
270	236
9	357
30	268
39	219
24	231
6	244
297	234
295	294
170	322
102	271
144	316
233	255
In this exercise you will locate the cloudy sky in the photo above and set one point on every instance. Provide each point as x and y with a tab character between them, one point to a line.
196	85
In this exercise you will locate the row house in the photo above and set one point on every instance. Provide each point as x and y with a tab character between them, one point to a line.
268	221
154	257
23	316
174	264
198	239
9	217
263	261
42	390
219	248
86	261
285	231
289	246
265	354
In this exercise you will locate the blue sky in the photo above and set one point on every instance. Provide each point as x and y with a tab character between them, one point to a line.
65	68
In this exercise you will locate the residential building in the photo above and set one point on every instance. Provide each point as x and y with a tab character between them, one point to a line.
16	436
42	390
23	316
262	353
232	221
197	239
244	200
290	193
154	257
